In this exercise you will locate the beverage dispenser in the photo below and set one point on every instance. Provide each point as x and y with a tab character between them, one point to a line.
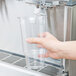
59	16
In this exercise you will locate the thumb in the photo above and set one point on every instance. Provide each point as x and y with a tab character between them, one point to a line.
35	40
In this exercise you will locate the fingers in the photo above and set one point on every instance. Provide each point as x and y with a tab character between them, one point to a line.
45	34
48	35
42	35
39	46
35	40
44	55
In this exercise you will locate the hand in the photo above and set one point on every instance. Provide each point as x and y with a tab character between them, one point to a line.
50	43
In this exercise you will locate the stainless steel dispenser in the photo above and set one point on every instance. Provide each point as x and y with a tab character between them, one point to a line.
61	23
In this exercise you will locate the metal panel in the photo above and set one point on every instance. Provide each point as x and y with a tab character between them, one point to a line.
72	63
57	24
19	61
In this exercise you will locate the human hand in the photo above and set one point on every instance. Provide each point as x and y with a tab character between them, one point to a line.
50	43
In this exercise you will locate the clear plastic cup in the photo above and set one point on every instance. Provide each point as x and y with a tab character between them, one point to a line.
31	27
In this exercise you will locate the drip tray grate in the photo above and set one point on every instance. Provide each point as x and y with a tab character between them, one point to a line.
20	61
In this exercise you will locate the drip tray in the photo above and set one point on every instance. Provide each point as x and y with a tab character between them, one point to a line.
18	60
